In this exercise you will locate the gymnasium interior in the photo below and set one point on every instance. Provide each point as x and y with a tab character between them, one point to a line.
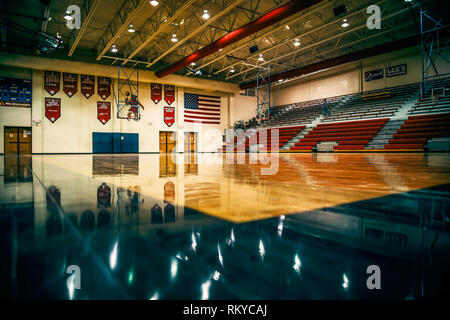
224	150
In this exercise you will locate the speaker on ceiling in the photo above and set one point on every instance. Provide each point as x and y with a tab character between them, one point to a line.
253	49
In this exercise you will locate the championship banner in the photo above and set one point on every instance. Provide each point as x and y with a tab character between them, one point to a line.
15	92
156	92
70	83
87	86
104	87
103	111
169	116
52	109
396	70
52	81
169	94
373	75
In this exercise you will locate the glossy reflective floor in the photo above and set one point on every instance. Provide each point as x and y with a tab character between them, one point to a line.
207	226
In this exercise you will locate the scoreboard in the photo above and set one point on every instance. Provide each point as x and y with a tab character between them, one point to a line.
15	92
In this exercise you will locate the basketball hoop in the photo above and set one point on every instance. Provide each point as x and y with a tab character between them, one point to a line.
36	122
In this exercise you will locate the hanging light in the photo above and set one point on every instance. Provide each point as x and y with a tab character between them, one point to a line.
67	16
174	38
260	57
345	24
192	63
114	49
205	14
296	42
154	3
131	29
232	70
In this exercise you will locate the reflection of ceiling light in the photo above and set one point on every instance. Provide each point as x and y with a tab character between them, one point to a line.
174	38
296	42
345	24
205	14
154	3
131	29
232	70
114	49
260	57
67	16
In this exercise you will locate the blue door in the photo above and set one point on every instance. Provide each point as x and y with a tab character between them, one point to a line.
102	142
114	142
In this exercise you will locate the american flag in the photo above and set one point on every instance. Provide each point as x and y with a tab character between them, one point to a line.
202	109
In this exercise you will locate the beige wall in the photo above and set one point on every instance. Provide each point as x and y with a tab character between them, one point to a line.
346	79
72	132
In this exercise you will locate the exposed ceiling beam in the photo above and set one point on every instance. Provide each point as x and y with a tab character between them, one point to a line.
168	22
89	7
278	28
125	15
274	16
197	31
354	56
316	43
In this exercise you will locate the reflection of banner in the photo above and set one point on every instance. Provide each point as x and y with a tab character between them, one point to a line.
70	83
169	116
373	75
169	94
169	191
103	196
15	92
103	111
51	82
87	85
156	92
396	70
52	109
104	87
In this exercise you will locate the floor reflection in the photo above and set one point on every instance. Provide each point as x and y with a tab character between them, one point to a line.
309	230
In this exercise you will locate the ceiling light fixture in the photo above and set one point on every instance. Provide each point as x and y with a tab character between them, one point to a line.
296	42
205	14
192	63
174	38
114	49
260	57
154	3
232	70
131	29
67	16
345	24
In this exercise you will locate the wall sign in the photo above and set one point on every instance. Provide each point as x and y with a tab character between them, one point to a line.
52	109
70	83
169	116
373	75
87	86
169	94
52	82
396	70
156	92
104	87
15	92
103	111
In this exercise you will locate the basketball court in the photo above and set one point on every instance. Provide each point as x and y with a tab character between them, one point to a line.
224	150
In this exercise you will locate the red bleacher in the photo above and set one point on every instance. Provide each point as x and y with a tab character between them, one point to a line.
416	131
264	138
351	135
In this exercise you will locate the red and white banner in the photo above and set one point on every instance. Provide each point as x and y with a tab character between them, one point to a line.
169	116
103	111
70	83
169	94
52	109
87	86
52	82
104	87
156	92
